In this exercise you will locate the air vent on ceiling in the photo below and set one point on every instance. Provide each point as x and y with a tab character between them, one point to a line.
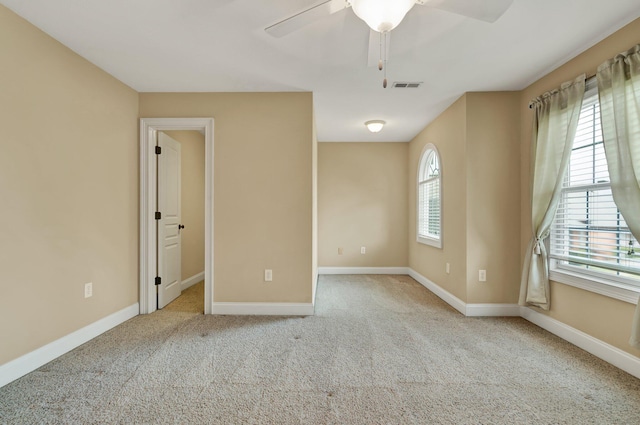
406	85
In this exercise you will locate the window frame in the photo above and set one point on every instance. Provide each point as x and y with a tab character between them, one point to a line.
428	150
621	288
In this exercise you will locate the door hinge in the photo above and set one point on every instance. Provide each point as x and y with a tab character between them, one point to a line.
158	150
158	215
158	280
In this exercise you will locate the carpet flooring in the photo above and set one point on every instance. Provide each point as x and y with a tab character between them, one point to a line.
190	301
380	350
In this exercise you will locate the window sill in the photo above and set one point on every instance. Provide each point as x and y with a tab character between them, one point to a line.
437	243
604	287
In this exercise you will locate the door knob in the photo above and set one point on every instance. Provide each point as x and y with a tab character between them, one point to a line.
180	226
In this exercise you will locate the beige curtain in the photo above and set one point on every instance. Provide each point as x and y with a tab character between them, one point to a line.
554	127
619	91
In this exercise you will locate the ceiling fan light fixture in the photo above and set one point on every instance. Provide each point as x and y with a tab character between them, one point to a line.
381	15
375	126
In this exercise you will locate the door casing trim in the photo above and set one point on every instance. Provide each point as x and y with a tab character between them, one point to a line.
148	190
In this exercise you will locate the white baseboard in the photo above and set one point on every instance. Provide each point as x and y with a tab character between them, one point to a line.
31	361
363	270
192	280
264	309
598	348
446	296
492	310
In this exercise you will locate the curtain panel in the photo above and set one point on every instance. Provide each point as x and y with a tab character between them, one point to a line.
619	92
554	128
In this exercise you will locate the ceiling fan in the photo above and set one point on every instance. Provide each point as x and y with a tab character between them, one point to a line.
484	10
384	15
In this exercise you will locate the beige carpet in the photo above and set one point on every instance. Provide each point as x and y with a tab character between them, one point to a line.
380	350
190	301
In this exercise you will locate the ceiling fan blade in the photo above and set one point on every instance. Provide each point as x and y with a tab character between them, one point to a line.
484	10
305	17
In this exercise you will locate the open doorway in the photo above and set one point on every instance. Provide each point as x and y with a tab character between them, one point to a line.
150	262
188	189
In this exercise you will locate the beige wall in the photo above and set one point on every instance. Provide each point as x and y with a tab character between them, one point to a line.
69	188
262	189
448	133
493	201
362	201
604	318
192	202
477	138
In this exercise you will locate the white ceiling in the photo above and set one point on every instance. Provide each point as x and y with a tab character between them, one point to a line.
220	45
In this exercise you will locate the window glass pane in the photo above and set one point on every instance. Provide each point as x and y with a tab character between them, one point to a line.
588	130
434	167
433	207
591	234
423	207
429	204
588	165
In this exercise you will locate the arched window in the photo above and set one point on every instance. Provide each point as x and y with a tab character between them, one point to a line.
429	198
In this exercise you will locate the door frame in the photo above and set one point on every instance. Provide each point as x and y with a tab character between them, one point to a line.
148	196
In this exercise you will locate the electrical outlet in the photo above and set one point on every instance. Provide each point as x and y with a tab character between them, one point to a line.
268	275
363	250
340	251
88	289
482	275
448	268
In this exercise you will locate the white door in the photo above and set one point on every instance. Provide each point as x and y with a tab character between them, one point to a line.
169	244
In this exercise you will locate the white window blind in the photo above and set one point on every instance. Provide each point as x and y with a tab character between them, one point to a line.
589	234
429	193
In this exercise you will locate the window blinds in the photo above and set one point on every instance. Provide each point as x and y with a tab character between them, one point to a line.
589	233
429	197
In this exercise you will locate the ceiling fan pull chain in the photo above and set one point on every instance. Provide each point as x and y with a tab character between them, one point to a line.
384	82
380	61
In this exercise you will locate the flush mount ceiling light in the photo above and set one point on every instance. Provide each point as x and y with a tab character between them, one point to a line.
375	126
